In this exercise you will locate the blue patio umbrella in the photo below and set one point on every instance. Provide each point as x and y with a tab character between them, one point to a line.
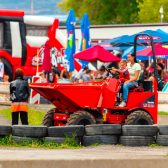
131	50
71	46
125	41
85	33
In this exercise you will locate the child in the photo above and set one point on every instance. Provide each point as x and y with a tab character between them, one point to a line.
123	71
123	76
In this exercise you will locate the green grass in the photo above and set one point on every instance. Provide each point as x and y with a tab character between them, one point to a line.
35	117
162	113
154	145
69	143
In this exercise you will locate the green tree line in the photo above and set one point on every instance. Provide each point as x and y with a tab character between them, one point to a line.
118	11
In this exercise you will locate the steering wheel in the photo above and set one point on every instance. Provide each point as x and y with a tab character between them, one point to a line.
114	75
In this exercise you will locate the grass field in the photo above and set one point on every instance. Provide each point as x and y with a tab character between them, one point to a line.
35	117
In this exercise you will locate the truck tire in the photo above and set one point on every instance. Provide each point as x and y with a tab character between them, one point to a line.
63	131
59	140
81	118
103	129
100	139
163	129
20	140
139	130
29	131
162	140
136	140
5	130
8	69
48	118
139	117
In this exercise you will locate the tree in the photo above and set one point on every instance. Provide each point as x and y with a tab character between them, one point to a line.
149	11
103	11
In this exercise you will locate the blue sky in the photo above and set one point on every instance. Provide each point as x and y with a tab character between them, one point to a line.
42	7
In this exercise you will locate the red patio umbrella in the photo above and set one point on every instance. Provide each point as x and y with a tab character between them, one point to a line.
96	53
159	50
46	66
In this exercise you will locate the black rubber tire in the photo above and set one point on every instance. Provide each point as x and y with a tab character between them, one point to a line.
48	118
103	129
162	140
81	118
139	117
63	131
136	140
8	68
100	139
163	129
29	131
5	130
19	140
139	130
59	140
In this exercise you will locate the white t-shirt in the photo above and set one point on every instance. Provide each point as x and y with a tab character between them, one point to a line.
132	69
1	69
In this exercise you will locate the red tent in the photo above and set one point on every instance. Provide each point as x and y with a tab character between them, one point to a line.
96	53
159	50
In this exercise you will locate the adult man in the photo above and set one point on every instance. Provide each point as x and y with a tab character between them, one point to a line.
1	70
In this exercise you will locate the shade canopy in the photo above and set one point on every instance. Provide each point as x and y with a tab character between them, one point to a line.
96	53
159	50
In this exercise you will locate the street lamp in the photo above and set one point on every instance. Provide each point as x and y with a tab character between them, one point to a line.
32	7
161	11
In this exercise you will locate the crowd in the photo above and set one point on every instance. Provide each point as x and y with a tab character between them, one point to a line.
86	74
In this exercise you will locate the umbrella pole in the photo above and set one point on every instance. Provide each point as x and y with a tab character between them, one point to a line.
37	65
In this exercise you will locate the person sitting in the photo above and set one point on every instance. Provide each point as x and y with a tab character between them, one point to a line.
64	73
123	76
134	70
86	77
77	76
42	75
123	71
101	74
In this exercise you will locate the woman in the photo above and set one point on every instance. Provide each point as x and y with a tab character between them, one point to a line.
134	71
19	94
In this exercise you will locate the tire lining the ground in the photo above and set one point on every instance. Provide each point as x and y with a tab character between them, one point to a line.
139	130
103	129
29	131
21	140
59	140
163	129
136	140
63	131
162	140
5	130
100	139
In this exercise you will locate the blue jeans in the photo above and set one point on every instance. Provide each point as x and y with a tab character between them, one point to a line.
126	88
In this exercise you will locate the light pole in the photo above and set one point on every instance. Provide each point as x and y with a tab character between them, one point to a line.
32	7
161	11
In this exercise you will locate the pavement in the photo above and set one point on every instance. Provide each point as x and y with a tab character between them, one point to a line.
106	156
